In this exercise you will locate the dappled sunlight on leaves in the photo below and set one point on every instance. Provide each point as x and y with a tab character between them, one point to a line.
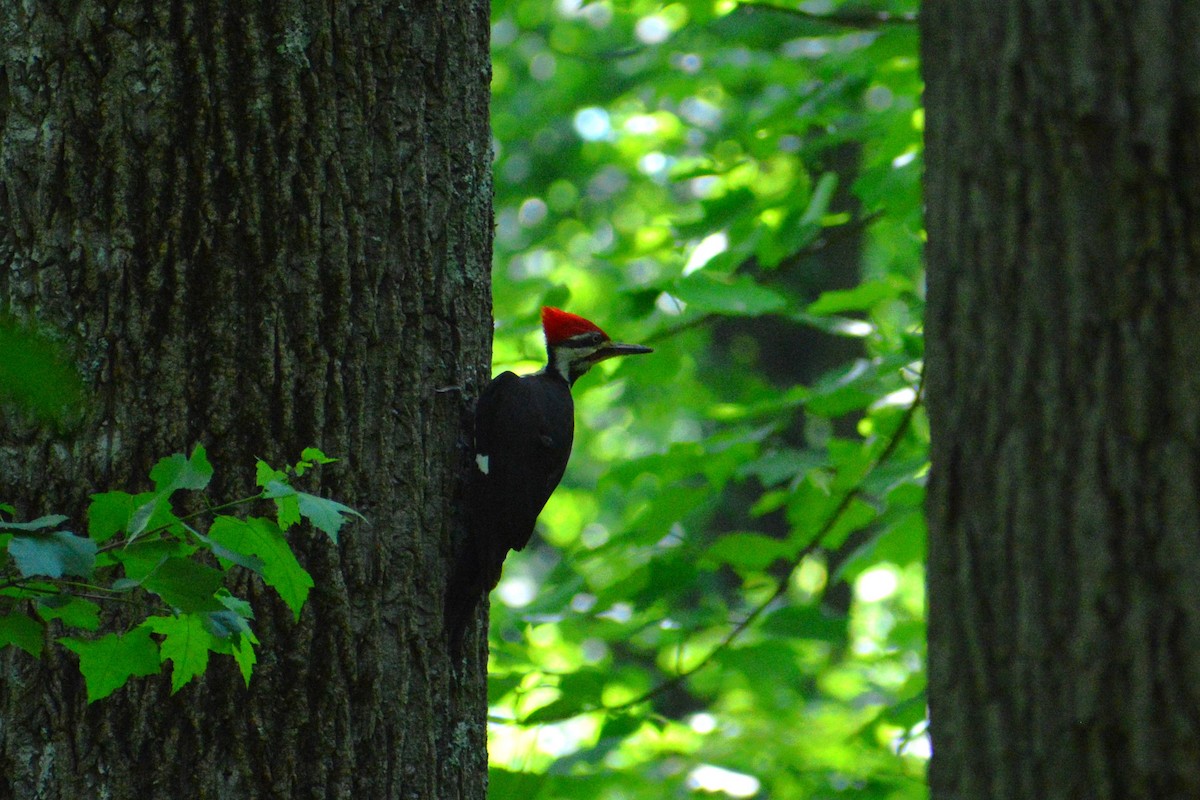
746	502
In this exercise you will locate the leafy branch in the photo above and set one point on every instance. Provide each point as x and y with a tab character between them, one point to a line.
829	236
829	524
139	552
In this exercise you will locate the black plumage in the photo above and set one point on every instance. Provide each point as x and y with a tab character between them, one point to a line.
524	427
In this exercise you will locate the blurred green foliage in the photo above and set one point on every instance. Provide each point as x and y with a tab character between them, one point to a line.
36	374
727	594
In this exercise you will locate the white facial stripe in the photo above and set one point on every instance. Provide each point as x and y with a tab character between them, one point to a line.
565	355
481	461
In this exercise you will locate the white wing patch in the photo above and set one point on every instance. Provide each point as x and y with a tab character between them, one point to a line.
481	461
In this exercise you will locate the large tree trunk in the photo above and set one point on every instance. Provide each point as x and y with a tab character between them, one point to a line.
264	226
1064	398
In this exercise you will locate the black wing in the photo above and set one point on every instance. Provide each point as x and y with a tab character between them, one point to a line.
523	432
524	427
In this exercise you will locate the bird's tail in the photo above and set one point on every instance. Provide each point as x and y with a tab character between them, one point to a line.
474	575
464	590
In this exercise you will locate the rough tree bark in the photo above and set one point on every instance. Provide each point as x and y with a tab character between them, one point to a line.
263	226
1063	188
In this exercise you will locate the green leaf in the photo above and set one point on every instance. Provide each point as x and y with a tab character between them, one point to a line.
809	507
264	474
236	604
621	725
857	516
232	635
278	488
287	502
316	456
186	645
23	631
140	518
510	783
230	622
762	666
806	622
580	690
310	457
144	556
225	624
781	465
564	707
185	584
849	389
719	212
109	514
766	28
75	612
57	554
750	551
108	662
152	514
287	511
731	295
500	685
262	538
244	655
861	298
909	494
769	502
907	713
901	542
229	556
818	204
176	472
41	523
327	515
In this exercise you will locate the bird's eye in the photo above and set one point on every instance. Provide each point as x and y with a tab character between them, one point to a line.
588	339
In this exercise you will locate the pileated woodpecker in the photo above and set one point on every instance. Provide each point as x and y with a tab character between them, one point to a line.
523	430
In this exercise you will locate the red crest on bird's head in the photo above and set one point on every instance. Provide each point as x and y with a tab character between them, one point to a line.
560	325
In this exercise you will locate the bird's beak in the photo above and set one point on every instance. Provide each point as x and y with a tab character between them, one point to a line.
613	349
